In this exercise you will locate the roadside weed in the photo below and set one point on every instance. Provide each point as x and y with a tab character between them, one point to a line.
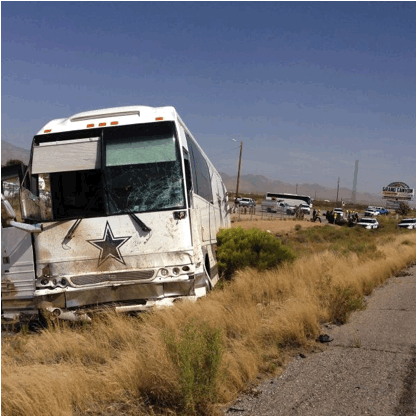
198	355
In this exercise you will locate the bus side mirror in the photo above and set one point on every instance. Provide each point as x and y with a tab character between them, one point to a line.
8	216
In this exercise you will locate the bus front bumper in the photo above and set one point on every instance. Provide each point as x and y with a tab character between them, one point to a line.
73	303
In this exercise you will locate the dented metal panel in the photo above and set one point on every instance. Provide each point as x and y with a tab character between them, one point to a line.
120	246
106	257
121	293
17	273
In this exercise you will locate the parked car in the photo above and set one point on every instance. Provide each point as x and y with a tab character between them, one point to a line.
371	212
382	210
407	224
305	208
337	211
247	202
368	223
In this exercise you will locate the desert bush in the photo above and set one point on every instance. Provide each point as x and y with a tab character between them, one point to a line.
13	162
198	356
403	208
343	302
238	249
362	249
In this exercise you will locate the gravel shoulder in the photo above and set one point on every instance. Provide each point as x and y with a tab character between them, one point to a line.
367	369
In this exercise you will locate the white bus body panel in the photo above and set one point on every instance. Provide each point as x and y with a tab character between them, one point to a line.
123	115
140	250
129	269
17	273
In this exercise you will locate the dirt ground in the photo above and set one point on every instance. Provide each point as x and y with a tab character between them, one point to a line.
274	226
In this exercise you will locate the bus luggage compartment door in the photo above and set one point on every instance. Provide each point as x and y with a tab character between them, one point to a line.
17	273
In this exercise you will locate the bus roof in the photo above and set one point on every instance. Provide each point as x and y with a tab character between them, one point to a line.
108	117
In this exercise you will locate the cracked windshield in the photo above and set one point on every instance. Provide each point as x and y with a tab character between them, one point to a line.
143	169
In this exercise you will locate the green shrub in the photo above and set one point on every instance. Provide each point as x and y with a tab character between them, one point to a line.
238	249
198	354
343	302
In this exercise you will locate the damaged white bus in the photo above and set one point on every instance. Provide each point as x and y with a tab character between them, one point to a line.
120	209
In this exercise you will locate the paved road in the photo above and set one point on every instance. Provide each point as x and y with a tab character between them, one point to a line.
368	368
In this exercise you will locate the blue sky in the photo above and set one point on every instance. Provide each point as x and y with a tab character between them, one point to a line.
307	86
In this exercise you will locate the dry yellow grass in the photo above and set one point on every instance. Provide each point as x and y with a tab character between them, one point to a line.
123	366
275	225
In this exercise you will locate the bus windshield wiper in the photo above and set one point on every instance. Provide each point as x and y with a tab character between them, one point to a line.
139	222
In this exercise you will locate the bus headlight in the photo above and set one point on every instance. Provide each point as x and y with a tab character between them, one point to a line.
163	272
175	271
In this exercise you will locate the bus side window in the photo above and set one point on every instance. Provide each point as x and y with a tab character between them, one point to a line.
200	171
192	164
187	170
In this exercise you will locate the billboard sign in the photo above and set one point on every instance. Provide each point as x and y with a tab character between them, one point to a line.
397	191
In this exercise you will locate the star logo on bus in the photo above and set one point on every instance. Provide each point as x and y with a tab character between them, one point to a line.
109	246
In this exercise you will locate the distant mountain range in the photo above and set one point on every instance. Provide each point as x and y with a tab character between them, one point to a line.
9	151
258	184
255	184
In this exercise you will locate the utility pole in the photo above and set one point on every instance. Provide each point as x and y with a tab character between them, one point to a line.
337	195
355	180
296	188
238	170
